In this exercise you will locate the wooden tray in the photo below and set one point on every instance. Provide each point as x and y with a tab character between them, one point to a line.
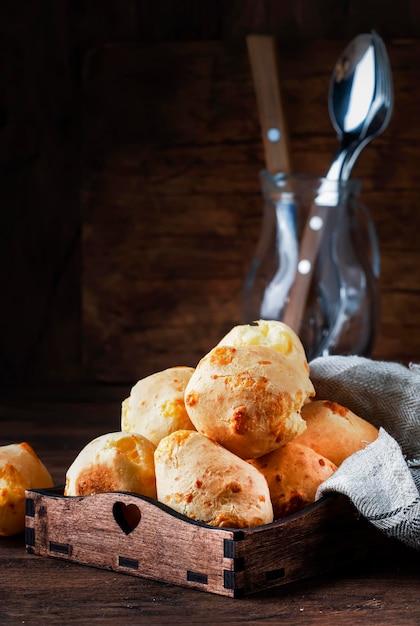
135	535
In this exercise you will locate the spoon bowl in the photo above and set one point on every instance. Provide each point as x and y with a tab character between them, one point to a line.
360	100
356	63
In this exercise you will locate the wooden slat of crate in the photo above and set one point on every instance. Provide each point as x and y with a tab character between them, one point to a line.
162	547
165	546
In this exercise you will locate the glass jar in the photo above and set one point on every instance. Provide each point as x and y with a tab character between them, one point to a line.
306	215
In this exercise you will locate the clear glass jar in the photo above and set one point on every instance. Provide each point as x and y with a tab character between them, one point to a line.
340	306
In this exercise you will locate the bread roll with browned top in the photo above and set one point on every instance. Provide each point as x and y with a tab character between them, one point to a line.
202	480
293	473
334	431
155	407
248	398
271	333
113	462
20	469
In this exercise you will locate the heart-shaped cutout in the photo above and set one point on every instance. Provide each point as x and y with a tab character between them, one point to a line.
127	516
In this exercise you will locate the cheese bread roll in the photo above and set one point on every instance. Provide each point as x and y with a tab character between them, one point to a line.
113	462
248	398
202	480
20	469
271	333
334	431
293	474
155	407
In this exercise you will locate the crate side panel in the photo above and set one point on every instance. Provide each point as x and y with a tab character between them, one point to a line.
318	539
160	546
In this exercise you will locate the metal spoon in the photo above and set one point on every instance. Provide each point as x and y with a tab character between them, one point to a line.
360	104
360	100
357	122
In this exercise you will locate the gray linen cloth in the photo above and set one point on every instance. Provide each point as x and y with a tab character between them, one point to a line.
383	480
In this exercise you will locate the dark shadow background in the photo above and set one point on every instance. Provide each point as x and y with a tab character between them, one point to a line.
66	69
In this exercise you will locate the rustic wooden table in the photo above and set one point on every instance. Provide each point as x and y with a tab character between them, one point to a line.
37	590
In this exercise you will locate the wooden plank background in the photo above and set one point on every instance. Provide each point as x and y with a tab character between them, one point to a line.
173	203
130	151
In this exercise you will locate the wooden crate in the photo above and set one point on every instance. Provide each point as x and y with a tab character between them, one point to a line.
135	535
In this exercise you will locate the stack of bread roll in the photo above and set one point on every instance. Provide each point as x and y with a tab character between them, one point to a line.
238	441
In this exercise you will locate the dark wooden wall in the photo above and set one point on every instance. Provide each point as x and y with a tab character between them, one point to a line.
130	150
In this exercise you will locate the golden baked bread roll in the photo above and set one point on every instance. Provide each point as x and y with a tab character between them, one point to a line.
293	474
155	407
20	469
334	431
271	333
202	480
113	462
248	398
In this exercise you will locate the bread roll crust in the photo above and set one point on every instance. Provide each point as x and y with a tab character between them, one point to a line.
293	473
202	480
334	431
248	398
20	469
270	333
113	462
155	407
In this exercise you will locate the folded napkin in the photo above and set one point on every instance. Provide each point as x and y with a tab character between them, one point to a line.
383	480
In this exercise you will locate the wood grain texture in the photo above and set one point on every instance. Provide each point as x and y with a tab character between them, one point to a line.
162	545
263	52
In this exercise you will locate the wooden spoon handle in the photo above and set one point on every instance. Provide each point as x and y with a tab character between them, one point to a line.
262	52
310	244
264	66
